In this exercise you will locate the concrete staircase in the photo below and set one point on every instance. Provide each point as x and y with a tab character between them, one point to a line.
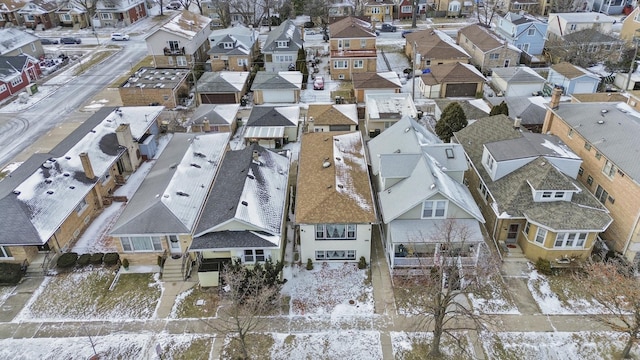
35	268
172	270
512	252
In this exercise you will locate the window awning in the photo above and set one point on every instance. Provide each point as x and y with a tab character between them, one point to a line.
264	132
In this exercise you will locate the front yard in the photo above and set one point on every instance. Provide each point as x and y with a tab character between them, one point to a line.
196	303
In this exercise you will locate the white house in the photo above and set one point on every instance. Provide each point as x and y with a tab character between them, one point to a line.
517	81
561	24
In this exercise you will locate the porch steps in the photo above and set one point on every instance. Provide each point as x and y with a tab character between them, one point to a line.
172	270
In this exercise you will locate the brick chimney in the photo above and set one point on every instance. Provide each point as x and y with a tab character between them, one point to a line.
125	139
206	126
555	98
86	166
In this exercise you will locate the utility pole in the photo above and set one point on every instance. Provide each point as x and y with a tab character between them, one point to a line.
633	59
413	70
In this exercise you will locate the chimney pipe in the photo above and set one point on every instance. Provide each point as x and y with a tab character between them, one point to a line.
555	98
516	122
86	166
256	155
206	126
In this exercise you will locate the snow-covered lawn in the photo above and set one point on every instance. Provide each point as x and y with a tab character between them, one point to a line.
559	294
415	345
329	289
195	303
497	299
84	294
554	345
5	292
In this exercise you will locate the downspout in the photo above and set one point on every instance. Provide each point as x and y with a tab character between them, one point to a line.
626	246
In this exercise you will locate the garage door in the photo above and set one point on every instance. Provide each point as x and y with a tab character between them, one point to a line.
455	90
583	87
274	96
218	98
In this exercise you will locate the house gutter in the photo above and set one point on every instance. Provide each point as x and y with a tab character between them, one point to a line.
626	246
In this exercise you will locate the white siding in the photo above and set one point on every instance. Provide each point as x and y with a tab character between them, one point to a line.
309	244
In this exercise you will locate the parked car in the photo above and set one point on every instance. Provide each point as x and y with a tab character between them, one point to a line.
119	37
174	5
44	41
70	40
388	28
406	32
318	83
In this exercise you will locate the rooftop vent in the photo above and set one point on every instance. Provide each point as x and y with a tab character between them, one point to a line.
199	154
68	157
604	111
180	193
245	203
196	165
72	187
50	192
326	164
338	158
48	181
16	192
600	122
340	186
251	177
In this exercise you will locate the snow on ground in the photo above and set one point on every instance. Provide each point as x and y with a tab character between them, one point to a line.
403	345
550	303
17	106
5	292
342	345
178	302
337	290
554	345
497	302
10	168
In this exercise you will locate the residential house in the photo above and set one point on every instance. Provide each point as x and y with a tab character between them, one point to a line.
181	42
353	48
572	79
473	108
457	8
451	80
17	73
281	47
277	87
525	32
604	135
244	216
51	198
418	181
404	10
333	175
379	10
162	215
631	26
40	14
272	126
530	111
9	12
486	48
332	117
525	184
384	110
14	42
562	24
589	43
225	87
72	14
611	7
368	83
517	81
166	87
435	48
215	118
120	13
233	48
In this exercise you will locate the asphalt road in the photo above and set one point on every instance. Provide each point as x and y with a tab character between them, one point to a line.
21	129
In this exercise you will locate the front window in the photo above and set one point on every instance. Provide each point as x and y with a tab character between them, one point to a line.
282	44
566	239
375	10
358	64
174	45
340	64
29	18
363	43
406	9
106	16
346	43
609	169
81	206
5	252
336	255
283	58
494	56
242	62
335	232
254	255
434	209
531	32
65	17
16	81
541	234
141	243
181	60
601	194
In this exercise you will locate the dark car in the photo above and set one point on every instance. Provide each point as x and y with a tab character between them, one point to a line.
388	28
70	40
48	41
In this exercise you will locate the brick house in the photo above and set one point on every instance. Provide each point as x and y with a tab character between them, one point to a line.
71	14
166	87
113	13
435	48
9	12
353	48
379	10
40	12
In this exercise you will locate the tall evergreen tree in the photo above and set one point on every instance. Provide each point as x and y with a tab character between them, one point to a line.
501	108
453	119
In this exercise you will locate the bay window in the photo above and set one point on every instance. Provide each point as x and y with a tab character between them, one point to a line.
141	243
335	232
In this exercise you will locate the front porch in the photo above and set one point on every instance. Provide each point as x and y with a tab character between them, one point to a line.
429	255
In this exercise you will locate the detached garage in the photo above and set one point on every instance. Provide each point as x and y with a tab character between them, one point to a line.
451	80
225	87
371	83
516	81
277	87
573	79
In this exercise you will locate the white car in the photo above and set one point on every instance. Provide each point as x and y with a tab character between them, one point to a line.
119	37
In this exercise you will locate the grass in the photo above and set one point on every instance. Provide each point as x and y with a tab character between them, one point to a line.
85	294
419	345
94	59
259	346
145	62
196	349
494	299
188	307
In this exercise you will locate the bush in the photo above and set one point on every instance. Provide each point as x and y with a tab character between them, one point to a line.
111	259
125	263
84	259
67	260
362	264
96	259
309	264
10	273
544	266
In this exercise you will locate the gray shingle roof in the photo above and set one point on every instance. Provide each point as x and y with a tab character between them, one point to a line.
229	240
222	82
286	31
265	80
273	116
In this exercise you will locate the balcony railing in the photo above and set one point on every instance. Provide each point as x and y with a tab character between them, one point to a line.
169	52
430	261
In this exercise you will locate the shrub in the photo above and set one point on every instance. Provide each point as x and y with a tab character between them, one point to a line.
544	266
125	263
84	259
10	273
67	260
111	259
309	264
96	258
362	264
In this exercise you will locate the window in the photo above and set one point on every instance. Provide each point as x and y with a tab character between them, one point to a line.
489	161
29	18
358	64
589	180
598	155
282	44
531	31
388	124
3	88
4	252
527	226
17	81
573	27
216	56
449	153
434	209
173	45
607	47
242	62
181	60
601	194
33	47
106	16
564	239
494	56
580	171
227	45
340	64
336	255
540	235
559	195
141	243
283	58
427	62
609	169
65	17
484	191
375	10
254	255
335	232
406	9
546	194
346	43
81	206
363	43
570	133
587	145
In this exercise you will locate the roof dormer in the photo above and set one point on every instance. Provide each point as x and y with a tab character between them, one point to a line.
282	43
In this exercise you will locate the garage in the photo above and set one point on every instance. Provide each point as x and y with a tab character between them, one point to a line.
585	87
275	96
460	90
229	98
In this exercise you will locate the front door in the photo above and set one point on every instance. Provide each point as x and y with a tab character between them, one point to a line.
512	233
174	245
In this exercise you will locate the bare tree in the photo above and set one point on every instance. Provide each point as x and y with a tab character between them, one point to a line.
443	284
89	6
563	6
486	12
414	15
317	9
613	285
185	4
199	5
223	10
584	48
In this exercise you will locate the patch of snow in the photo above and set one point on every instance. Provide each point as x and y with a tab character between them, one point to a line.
342	344
176	305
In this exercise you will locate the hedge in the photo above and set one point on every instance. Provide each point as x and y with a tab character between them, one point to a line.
111	258
67	260
96	259
83	260
10	273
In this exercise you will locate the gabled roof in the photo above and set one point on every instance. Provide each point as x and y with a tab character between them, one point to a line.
591	36
333	175
530	112
41	194
485	39
518	75
243	37
170	198
8	6
373	80
283	80
435	44
571	71
351	27
518	19
237	47
472	111
530	145
250	189
39	7
186	24
274	116
12	66
331	114
452	73
222	82
14	38
286	31
216	114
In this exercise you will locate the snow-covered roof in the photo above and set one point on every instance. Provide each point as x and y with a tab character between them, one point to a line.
223	81
402	104
14	38
282	80
585	17
186	24
243	34
333	114
222	114
264	132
